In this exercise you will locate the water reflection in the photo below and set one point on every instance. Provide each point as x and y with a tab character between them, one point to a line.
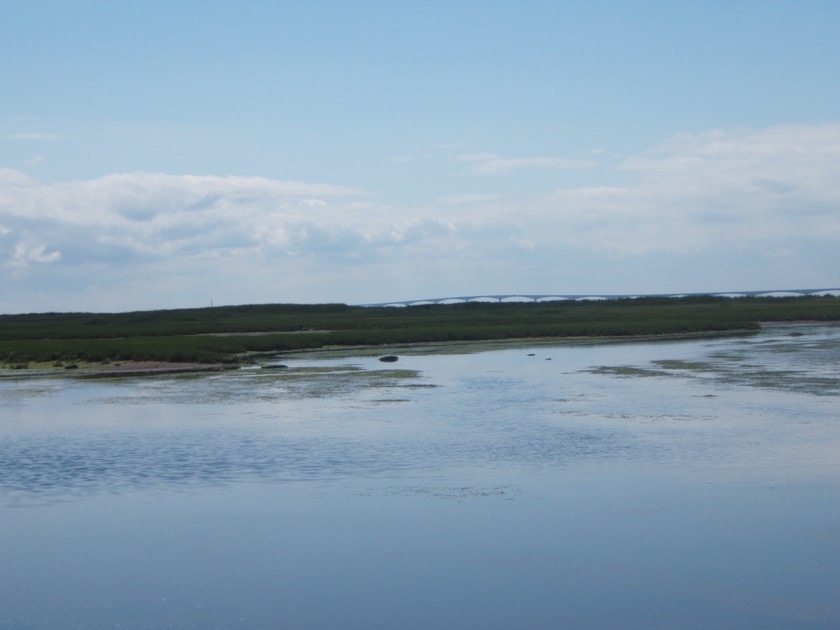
329	419
40	467
687	484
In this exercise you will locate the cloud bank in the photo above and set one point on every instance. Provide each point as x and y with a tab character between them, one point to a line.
718	198
713	190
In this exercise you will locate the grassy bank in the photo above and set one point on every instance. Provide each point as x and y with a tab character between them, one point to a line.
223	334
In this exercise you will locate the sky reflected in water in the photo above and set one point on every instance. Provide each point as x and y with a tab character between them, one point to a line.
638	485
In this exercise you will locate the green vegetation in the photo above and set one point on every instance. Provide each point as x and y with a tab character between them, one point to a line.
224	334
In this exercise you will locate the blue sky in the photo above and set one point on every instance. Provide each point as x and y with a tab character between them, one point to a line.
170	154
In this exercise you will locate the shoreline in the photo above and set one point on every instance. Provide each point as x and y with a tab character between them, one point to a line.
481	345
142	368
113	370
126	369
130	369
197	340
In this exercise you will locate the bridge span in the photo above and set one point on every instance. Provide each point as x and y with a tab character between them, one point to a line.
556	297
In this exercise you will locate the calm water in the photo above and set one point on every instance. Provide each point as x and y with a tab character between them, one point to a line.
648	485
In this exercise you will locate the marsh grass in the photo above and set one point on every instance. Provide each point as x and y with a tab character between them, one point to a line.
674	364
732	368
230	334
788	380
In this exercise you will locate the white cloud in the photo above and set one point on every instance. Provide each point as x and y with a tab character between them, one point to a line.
10	178
701	191
725	209
467	199
492	164
311	203
155	213
26	253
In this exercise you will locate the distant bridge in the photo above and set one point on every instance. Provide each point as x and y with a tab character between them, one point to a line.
556	297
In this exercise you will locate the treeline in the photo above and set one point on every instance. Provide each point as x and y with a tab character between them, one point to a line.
222	334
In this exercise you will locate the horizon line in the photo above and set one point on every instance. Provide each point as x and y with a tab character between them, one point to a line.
549	297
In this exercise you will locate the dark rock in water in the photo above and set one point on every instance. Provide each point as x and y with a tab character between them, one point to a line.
389	358
531	354
276	366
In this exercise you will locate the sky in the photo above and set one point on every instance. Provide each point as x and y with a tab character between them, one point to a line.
184	153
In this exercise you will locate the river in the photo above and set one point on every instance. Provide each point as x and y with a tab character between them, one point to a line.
690	484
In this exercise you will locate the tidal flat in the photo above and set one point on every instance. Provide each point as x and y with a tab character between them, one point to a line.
678	483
